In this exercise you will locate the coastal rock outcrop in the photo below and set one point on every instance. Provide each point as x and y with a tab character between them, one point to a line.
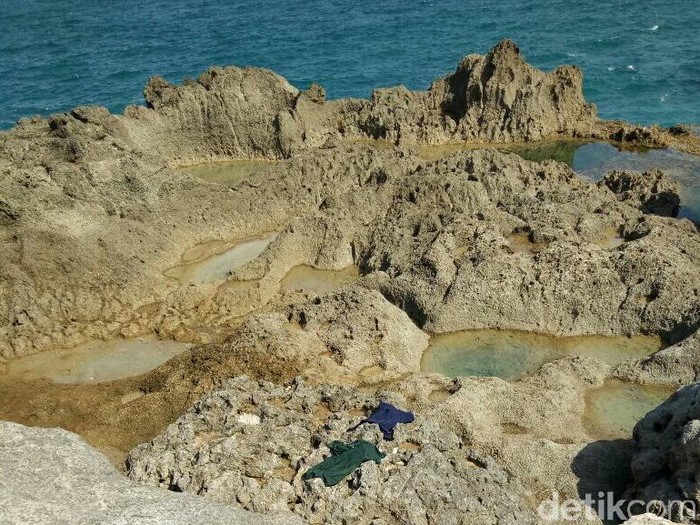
496	97
99	187
665	464
651	191
52	477
484	239
250	442
227	112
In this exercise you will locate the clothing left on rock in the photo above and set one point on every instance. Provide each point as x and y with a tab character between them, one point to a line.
387	416
344	459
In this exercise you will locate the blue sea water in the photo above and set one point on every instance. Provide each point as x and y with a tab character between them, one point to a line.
641	59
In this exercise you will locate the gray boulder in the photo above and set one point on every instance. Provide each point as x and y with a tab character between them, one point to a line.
51	476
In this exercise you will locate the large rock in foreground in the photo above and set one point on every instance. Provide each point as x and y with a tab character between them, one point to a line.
51	476
667	460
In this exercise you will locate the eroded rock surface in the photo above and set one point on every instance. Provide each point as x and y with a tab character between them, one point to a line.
428	475
99	187
651	191
92	214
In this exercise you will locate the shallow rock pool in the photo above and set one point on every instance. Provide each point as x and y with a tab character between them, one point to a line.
613	409
320	281
227	173
212	268
512	354
96	361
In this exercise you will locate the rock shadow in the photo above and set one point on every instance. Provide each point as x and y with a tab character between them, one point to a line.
603	469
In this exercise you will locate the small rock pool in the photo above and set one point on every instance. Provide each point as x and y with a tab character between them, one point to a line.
511	355
95	361
199	266
614	409
320	281
228	173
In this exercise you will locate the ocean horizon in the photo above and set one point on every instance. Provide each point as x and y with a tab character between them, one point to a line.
640	63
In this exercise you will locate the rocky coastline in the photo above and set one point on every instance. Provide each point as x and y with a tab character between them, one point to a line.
94	211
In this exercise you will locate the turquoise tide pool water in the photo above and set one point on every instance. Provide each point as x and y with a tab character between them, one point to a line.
594	160
641	59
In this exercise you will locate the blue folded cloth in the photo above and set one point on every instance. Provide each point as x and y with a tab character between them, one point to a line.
387	416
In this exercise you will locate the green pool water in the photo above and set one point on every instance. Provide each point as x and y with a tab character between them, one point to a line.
614	409
320	281
512	354
228	173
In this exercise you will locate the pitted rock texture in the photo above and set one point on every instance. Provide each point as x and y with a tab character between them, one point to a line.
483	239
497	97
428	475
651	191
52	477
667	447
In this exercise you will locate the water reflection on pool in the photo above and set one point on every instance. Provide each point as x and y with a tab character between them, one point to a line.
96	361
320	281
216	267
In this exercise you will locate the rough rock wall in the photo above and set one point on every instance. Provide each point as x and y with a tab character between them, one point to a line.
248	112
227	112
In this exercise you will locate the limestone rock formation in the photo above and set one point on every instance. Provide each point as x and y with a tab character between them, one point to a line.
99	187
651	191
665	464
497	97
227	112
52	477
427	476
483	239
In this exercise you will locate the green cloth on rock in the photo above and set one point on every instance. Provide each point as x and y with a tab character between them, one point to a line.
344	459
